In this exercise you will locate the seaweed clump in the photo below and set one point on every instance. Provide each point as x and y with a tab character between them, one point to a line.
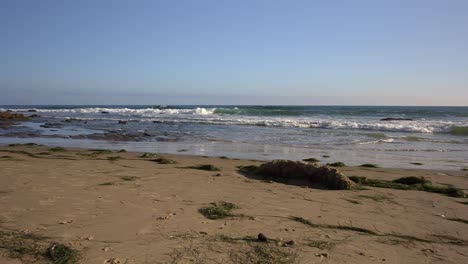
218	210
409	183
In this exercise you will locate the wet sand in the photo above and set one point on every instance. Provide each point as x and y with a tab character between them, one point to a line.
134	210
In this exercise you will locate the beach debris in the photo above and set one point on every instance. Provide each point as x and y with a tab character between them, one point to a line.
112	261
326	176
167	216
64	222
87	237
218	210
337	164
60	253
322	255
262	238
206	167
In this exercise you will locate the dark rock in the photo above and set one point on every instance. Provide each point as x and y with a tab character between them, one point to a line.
396	119
326	176
34	116
157	121
104	112
311	160
122	122
32	110
51	125
262	238
290	243
12	116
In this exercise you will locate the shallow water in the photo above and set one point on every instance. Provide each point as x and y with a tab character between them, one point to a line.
435	136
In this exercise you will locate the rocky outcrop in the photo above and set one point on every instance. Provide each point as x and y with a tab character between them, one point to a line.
325	176
12	116
8	118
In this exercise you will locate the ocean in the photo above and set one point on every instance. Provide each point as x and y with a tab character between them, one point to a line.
390	136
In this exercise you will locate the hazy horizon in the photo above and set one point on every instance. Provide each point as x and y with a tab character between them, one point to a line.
395	53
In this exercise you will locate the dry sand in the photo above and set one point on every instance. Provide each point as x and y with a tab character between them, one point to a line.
139	211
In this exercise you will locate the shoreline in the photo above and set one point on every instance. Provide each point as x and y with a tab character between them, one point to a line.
388	159
323	133
120	205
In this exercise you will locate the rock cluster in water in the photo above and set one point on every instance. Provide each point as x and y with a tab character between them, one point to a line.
326	176
12	116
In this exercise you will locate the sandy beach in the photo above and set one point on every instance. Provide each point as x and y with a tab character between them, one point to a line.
120	207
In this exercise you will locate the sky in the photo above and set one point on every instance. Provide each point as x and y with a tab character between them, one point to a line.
330	52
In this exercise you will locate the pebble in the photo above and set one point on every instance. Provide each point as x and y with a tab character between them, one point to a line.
106	249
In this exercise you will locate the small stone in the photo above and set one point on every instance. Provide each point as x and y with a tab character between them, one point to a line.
262	238
290	243
203	233
106	249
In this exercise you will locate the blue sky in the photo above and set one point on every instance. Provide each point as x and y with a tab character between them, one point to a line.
367	52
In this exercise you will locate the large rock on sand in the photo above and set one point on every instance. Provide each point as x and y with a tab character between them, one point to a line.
326	176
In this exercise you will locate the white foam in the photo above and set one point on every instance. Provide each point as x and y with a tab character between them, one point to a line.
208	116
146	112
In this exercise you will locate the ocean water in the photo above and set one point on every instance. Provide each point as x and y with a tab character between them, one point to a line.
435	136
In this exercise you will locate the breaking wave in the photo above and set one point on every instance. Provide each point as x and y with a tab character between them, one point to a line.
256	116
